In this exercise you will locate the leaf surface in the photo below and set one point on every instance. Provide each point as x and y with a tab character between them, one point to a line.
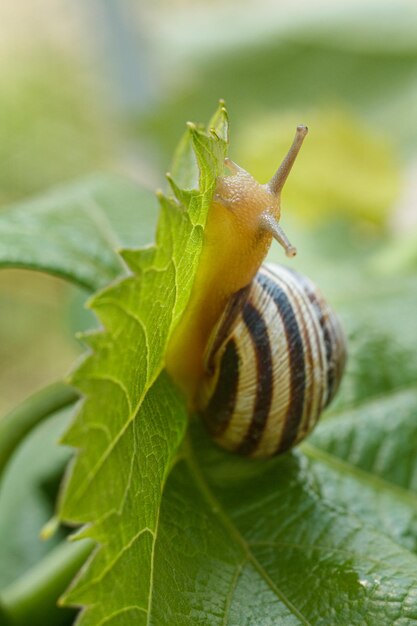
74	231
27	492
133	420
326	534
262	543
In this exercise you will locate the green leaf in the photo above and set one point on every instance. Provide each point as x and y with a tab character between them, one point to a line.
365	479
191	535
33	597
15	426
374	435
73	231
400	256
324	535
43	145
245	542
133	420
30	482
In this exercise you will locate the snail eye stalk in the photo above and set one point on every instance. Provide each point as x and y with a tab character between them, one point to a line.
269	223
278	180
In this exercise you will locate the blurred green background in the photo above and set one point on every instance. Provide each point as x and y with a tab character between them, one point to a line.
108	85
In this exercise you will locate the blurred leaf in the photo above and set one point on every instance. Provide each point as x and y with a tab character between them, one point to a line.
24	505
343	170
279	58
348	25
33	598
15	426
74	231
133	419
399	256
36	345
380	307
378	363
51	129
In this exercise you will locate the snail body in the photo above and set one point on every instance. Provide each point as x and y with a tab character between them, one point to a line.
258	352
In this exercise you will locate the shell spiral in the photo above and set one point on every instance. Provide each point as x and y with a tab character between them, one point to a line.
273	363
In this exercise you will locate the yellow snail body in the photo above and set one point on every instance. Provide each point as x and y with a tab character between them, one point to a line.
258	352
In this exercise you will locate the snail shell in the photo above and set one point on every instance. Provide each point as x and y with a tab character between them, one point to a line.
273	363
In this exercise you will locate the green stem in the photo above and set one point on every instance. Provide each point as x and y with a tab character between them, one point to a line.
16	425
33	598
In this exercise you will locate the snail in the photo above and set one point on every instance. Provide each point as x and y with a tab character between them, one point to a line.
258	352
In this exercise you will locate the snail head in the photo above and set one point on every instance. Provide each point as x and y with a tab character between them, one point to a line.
258	207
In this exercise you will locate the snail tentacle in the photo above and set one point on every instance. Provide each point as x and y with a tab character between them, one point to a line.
278	180
269	223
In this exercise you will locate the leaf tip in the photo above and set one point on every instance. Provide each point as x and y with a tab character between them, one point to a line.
49	529
61	602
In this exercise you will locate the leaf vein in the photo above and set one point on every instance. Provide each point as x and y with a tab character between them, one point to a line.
235	533
343	466
233	584
112	563
125	609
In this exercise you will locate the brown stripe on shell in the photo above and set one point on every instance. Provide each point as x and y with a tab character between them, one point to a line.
302	309
219	410
258	331
316	372
322	316
281	372
297	366
224	326
314	357
332	336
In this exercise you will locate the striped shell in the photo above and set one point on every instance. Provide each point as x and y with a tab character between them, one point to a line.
274	362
